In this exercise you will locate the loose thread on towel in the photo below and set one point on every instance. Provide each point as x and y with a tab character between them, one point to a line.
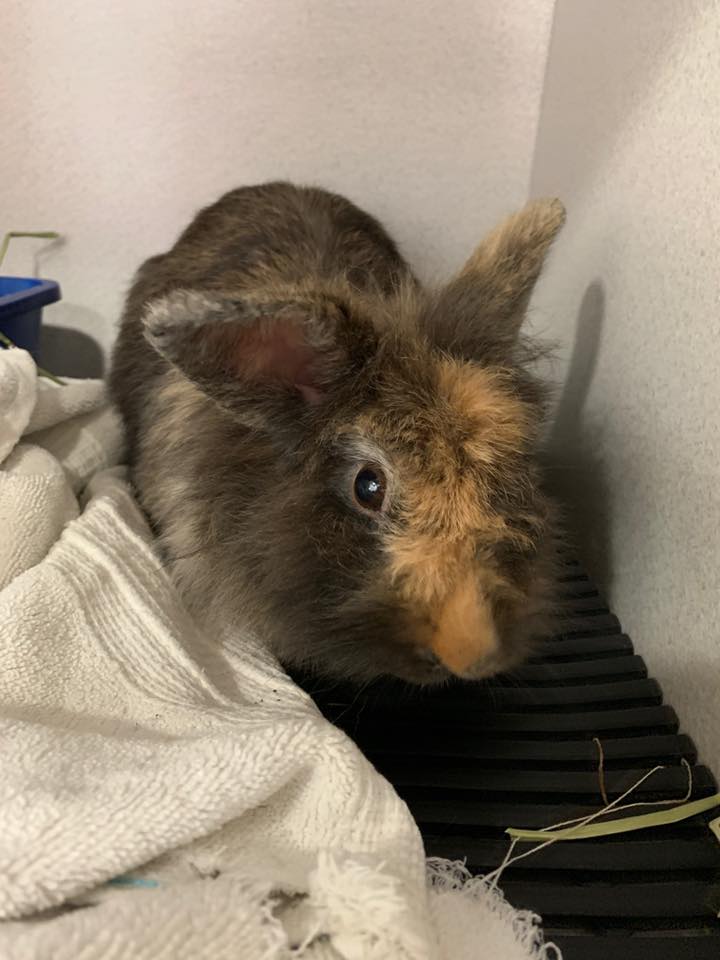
614	806
638	803
580	822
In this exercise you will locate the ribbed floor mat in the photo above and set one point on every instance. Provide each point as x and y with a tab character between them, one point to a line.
473	759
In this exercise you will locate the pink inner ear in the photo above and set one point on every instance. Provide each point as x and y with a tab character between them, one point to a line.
277	353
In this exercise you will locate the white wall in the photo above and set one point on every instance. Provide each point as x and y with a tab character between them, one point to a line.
119	119
630	137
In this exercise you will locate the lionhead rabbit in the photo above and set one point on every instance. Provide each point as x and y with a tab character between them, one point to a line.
332	455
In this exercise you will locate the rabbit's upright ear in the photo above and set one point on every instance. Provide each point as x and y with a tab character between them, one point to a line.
478	315
258	358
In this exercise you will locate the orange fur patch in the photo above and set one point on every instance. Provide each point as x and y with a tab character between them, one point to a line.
425	568
498	423
447	511
465	632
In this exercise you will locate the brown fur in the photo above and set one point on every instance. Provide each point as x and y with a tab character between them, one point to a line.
280	346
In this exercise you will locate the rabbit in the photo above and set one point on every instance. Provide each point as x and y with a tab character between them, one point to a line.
333	456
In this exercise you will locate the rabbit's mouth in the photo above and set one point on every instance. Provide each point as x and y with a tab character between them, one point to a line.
428	669
424	668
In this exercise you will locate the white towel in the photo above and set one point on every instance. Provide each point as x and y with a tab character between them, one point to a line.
180	763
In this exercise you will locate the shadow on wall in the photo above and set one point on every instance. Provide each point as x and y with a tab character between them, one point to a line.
576	470
71	353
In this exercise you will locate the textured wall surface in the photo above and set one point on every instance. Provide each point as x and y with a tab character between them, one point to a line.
120	119
630	137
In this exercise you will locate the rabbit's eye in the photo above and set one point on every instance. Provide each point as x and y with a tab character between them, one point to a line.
370	487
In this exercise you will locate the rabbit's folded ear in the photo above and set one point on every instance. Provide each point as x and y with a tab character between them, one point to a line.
256	357
478	315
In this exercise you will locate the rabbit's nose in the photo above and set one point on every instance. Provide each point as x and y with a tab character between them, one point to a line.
464	632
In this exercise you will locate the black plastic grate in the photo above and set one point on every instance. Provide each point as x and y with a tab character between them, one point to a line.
473	759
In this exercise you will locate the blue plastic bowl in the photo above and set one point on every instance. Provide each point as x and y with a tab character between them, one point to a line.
21	302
